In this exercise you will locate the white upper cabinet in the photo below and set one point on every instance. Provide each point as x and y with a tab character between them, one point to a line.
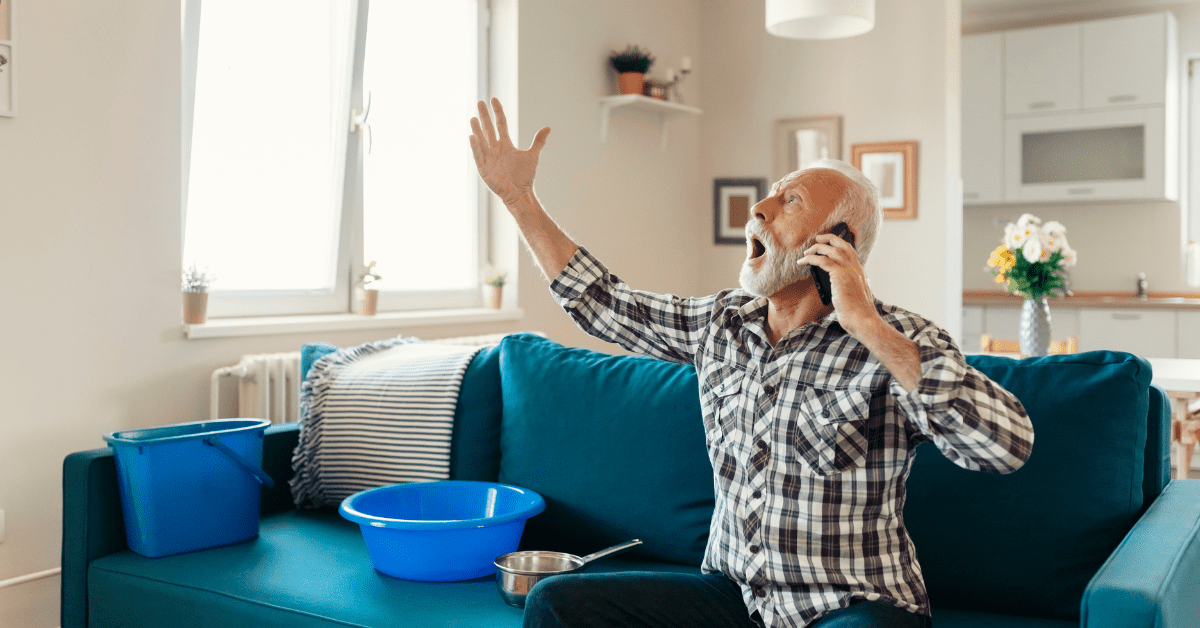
983	118
1125	61
1043	69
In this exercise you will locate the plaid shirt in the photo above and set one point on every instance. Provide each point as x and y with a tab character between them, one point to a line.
811	440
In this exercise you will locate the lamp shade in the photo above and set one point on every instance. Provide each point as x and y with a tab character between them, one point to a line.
819	19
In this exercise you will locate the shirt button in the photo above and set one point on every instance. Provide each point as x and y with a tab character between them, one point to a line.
825	413
756	494
762	445
753	549
760	592
770	390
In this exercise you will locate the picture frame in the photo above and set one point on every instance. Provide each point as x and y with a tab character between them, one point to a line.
733	200
8	96
892	167
799	141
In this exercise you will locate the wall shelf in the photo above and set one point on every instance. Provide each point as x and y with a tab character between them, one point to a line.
663	108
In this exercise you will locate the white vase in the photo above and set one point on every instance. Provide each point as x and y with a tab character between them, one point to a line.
1035	327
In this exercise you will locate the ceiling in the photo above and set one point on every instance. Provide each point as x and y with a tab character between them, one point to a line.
987	15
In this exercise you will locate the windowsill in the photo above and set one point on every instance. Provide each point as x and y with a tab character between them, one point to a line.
263	325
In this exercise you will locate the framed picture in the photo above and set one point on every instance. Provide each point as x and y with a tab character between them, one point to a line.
7	104
732	201
892	167
801	141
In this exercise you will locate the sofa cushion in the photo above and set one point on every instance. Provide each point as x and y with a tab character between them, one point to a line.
305	569
475	443
1081	490
615	444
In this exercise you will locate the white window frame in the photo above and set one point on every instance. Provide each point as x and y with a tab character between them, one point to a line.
350	256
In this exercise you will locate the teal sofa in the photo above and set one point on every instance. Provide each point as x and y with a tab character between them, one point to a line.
1090	532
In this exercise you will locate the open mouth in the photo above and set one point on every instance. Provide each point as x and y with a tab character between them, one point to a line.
757	248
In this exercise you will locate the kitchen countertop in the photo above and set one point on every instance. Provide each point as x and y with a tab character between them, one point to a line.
1155	300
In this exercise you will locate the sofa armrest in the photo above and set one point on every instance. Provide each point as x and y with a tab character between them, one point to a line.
1153	577
94	526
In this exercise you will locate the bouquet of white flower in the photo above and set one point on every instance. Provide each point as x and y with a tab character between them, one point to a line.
1033	260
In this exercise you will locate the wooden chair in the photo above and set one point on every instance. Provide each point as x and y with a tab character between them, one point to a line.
1057	347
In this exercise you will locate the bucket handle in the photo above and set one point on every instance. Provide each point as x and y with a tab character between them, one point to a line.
258	474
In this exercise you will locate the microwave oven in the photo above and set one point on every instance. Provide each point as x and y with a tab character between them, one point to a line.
1109	155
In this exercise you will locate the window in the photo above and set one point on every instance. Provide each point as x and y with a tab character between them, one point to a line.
286	199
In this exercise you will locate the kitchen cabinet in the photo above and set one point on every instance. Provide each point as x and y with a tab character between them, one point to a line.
1116	154
1043	69
983	118
1148	333
1188	344
972	328
1125	61
1089	112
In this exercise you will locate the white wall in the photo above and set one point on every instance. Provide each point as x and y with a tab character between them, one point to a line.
1115	241
90	262
631	202
892	83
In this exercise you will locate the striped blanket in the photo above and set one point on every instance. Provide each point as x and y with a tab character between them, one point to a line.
376	414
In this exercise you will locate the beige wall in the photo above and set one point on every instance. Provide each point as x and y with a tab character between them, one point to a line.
892	83
1115	241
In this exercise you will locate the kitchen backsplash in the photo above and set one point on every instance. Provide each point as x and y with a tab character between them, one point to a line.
1115	242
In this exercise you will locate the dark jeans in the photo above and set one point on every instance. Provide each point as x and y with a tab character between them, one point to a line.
660	600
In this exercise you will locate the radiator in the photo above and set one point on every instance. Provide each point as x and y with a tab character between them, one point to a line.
268	384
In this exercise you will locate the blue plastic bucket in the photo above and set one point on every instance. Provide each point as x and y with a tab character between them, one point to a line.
190	486
441	531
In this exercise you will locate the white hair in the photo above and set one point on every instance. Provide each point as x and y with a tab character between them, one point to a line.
859	206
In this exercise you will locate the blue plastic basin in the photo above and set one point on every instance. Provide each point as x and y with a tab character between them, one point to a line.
441	531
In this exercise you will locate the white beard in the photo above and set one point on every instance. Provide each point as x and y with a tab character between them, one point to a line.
780	269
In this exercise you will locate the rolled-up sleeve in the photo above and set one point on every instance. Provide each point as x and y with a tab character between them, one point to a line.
660	325
975	422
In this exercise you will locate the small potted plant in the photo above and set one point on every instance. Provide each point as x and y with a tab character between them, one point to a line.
366	292
631	66
493	286
195	294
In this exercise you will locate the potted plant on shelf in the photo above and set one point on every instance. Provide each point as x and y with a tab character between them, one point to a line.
493	287
195	294
366	292
631	66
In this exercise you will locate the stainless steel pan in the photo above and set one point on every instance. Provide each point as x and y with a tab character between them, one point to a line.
516	573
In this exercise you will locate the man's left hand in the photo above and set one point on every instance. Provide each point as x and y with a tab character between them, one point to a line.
856	311
852	296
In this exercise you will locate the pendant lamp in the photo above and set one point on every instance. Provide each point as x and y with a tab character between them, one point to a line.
820	19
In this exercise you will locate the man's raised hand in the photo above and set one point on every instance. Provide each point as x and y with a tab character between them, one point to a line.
507	170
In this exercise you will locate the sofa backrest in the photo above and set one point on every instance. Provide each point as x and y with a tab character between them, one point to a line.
1028	542
614	444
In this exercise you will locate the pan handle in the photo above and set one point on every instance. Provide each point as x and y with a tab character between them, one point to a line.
612	550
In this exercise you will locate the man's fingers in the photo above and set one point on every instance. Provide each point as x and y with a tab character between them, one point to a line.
501	121
477	133
485	120
476	152
539	140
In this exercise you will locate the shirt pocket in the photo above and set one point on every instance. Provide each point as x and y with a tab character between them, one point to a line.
830	434
725	400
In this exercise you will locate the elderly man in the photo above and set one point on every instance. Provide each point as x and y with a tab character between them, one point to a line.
811	412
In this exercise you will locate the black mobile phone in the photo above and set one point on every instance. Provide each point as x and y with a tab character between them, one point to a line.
821	275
